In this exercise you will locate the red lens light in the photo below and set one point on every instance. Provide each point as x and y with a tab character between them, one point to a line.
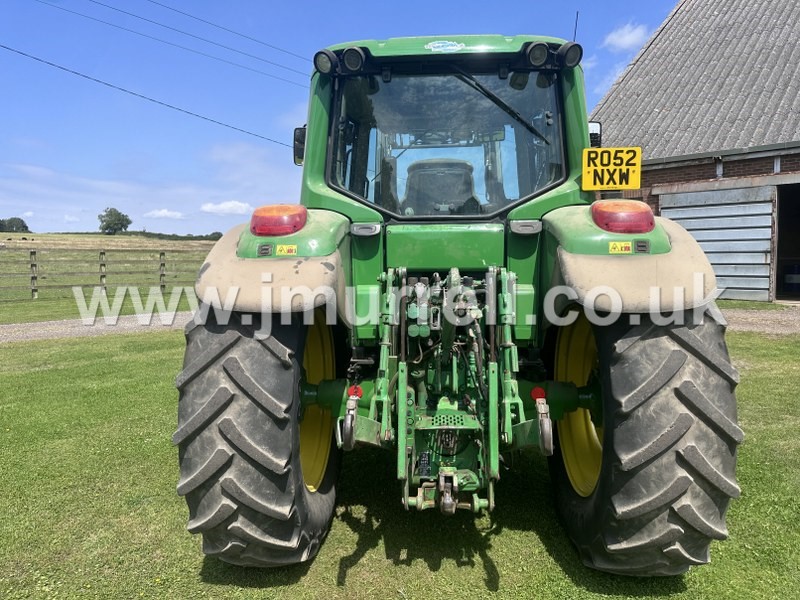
278	219
623	216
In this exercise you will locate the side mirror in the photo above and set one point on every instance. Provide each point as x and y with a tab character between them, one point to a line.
299	145
595	134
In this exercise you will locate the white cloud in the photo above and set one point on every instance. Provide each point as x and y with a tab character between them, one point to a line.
590	63
231	207
163	213
27	214
250	174
626	38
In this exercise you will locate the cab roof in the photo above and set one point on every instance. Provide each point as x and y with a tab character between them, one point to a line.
447	44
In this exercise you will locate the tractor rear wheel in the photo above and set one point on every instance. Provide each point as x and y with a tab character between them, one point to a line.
257	472
643	488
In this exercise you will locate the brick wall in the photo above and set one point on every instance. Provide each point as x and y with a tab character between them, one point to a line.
749	167
790	163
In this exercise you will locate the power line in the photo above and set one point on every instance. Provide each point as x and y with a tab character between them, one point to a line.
242	35
197	37
230	62
142	96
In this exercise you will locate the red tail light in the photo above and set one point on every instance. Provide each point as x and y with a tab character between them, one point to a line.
623	216
278	219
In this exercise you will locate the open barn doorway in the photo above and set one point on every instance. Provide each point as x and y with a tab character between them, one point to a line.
788	258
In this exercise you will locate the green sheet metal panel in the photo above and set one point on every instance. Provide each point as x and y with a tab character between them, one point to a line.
442	246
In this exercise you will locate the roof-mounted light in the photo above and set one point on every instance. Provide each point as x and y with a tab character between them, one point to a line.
325	61
623	216
354	59
278	219
569	55
538	53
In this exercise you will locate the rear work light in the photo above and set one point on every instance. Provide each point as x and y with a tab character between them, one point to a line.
278	219
623	216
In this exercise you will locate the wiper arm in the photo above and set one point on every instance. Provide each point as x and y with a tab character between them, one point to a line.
470	80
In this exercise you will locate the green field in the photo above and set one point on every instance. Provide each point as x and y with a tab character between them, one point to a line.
88	474
66	260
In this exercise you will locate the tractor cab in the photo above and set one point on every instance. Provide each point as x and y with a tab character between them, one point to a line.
444	138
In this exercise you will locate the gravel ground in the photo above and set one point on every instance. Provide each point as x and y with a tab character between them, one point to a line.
76	328
773	322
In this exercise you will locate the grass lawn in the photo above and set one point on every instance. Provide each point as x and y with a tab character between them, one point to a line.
88	474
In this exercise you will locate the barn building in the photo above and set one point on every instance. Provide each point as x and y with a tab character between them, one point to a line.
713	99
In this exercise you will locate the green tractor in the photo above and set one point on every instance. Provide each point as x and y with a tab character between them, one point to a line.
449	290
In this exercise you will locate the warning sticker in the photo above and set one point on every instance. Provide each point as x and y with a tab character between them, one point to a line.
612	169
286	250
620	247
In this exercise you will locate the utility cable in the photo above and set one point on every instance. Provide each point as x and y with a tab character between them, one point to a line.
242	35
150	37
142	96
197	37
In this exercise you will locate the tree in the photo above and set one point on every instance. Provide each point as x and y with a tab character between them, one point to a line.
14	224
113	221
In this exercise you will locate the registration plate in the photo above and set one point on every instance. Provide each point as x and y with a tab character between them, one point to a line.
612	169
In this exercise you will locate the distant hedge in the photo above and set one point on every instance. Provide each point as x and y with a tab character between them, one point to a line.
156	236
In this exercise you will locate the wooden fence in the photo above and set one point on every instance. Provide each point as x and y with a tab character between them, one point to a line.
53	272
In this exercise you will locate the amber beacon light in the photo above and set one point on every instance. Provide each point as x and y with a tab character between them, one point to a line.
278	219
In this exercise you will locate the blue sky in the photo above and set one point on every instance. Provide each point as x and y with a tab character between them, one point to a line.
71	147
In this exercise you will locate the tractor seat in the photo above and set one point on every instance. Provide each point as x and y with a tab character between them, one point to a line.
437	187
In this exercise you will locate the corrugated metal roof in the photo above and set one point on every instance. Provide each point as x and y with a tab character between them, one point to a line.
716	75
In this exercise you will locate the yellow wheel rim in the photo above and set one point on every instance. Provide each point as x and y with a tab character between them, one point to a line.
316	428
580	440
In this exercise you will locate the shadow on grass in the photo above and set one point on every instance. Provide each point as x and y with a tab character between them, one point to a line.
220	573
369	505
523	503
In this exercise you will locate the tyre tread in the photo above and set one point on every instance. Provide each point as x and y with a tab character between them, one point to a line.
661	444
247	498
244	444
692	455
221	398
662	375
206	359
670	474
215	462
254	391
279	509
210	520
694	398
663	498
710	357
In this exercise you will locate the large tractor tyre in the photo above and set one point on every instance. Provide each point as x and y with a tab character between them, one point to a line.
258	473
643	488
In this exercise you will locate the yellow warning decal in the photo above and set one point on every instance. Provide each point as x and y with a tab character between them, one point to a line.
286	250
612	169
620	247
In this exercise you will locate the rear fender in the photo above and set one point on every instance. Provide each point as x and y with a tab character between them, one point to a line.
672	274
296	273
